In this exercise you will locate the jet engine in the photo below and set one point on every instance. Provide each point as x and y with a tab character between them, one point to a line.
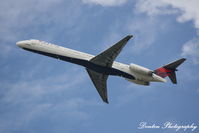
140	82
140	70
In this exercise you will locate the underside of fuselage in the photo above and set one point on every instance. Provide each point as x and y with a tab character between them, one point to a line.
86	64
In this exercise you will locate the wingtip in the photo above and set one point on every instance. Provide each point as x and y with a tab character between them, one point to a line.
106	101
184	59
130	36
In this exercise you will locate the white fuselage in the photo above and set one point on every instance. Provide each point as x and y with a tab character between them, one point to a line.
142	75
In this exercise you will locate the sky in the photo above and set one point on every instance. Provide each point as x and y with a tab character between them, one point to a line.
40	94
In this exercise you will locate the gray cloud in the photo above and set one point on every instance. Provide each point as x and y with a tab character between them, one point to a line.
145	31
50	98
34	20
105	2
185	11
190	49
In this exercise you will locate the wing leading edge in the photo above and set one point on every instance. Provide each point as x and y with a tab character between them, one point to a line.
105	59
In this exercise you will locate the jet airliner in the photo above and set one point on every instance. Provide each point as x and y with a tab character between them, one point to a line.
101	66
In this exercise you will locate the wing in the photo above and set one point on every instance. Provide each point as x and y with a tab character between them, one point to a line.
99	80
107	57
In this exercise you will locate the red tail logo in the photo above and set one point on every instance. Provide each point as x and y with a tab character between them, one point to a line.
163	72
169	70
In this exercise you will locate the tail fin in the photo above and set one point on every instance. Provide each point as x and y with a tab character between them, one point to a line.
169	70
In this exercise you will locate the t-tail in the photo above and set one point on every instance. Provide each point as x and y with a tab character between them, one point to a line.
169	70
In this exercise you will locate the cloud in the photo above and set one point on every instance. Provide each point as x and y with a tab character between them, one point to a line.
51	98
186	10
190	49
144	33
133	92
143	29
32	96
30	87
153	7
20	15
36	19
67	112
105	2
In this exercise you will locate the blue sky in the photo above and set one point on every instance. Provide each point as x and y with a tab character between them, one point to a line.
40	94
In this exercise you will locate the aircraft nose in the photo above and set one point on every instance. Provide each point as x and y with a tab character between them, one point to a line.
21	43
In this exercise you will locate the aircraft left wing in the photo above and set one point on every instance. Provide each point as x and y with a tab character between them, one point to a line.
107	57
99	80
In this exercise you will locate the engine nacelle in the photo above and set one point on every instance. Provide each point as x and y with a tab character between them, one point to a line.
140	70
140	82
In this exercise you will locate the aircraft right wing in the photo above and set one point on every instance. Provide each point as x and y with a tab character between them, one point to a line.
99	80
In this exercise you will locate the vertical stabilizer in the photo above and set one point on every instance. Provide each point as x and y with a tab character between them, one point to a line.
169	70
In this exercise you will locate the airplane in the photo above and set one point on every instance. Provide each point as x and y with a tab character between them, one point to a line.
101	66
